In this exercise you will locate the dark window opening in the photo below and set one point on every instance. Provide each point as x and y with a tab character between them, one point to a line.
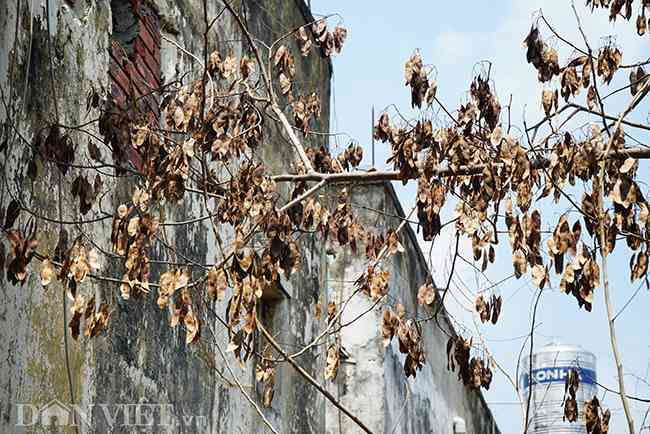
125	24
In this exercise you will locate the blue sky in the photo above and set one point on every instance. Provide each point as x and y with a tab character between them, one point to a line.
455	37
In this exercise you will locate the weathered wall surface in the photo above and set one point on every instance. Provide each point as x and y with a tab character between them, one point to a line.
372	382
141	359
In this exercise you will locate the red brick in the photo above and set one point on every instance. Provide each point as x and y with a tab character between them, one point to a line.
153	25
147	38
118	96
120	77
117	52
146	75
143	95
144	56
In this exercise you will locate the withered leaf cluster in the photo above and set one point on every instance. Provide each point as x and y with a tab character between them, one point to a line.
217	283
488	310
250	195
183	311
330	42
409	334
473	371
486	102
351	157
405	144
251	275
374	244
77	264
170	282
225	68
332	362
482	247
95	319
265	374
86	192
286	68
305	109
525	239
322	161
131	236
596	418
570	404
416	78
427	294
343	225
311	214
549	101
22	250
542	56
641	23
609	60
430	199
374	282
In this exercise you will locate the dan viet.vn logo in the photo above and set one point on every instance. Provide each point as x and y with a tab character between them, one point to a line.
58	414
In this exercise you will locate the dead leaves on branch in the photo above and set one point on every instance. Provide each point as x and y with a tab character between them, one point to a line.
409	334
351	157
285	68
543	57
549	101
317	34
525	239
22	250
473	371
609	60
332	362
265	373
78	264
569	402
596	417
131	236
374	282
415	74
570	83
430	199
486	102
304	110
183	311
95	319
217	284
427	294
489	310
169	283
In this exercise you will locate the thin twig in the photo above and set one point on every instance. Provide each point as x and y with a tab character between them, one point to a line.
311	379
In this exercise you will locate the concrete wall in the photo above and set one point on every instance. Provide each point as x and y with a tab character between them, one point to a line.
372	383
141	359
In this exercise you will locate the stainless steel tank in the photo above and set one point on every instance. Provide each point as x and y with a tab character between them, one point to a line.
551	365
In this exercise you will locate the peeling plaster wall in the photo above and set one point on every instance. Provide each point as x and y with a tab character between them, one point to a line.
372	382
141	359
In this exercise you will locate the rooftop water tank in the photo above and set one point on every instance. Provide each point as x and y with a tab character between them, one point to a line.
551	365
